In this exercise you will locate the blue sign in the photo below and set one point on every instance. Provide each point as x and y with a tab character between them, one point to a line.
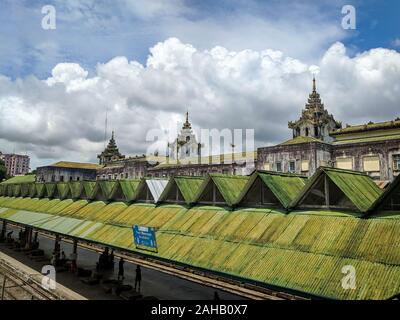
145	237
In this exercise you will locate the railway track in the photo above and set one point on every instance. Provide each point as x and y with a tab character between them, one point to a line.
18	285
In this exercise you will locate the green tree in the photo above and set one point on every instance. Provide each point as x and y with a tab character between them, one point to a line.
3	170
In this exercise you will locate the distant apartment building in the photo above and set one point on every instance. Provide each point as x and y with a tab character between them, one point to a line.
16	164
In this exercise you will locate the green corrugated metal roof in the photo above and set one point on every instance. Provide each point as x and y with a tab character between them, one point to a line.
303	251
75	188
127	187
368	127
88	189
32	190
229	186
188	186
394	187
285	186
63	189
106	187
300	140
50	189
358	187
103	189
25	187
10	190
40	189
16	190
21	179
367	139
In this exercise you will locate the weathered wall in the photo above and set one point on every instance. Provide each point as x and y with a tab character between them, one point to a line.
55	174
315	153
384	149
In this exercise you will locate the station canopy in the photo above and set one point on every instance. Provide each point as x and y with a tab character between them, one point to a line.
181	189
75	189
338	189
220	189
63	190
51	190
103	190
125	190
87	190
271	189
150	190
389	199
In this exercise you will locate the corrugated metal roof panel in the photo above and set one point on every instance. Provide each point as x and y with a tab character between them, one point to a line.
188	187
29	178
303	251
230	187
128	188
358	187
156	187
285	186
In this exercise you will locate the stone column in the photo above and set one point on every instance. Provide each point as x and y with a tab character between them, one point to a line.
3	231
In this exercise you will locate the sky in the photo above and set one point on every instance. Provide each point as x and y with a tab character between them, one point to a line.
237	64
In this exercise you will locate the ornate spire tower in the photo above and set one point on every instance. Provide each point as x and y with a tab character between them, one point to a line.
187	124
185	145
111	152
315	121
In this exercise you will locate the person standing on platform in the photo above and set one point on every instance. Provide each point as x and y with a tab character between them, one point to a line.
138	278
121	269
111	260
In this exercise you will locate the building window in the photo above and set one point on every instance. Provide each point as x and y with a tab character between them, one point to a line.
305	165
267	166
109	177
279	166
77	178
371	164
396	162
306	132
115	176
292	166
323	163
70	178
61	178
344	163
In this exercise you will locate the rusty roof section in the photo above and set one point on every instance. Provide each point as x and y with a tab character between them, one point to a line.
368	127
77	165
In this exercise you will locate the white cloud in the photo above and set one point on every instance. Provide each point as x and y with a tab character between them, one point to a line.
155	8
62	117
396	42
